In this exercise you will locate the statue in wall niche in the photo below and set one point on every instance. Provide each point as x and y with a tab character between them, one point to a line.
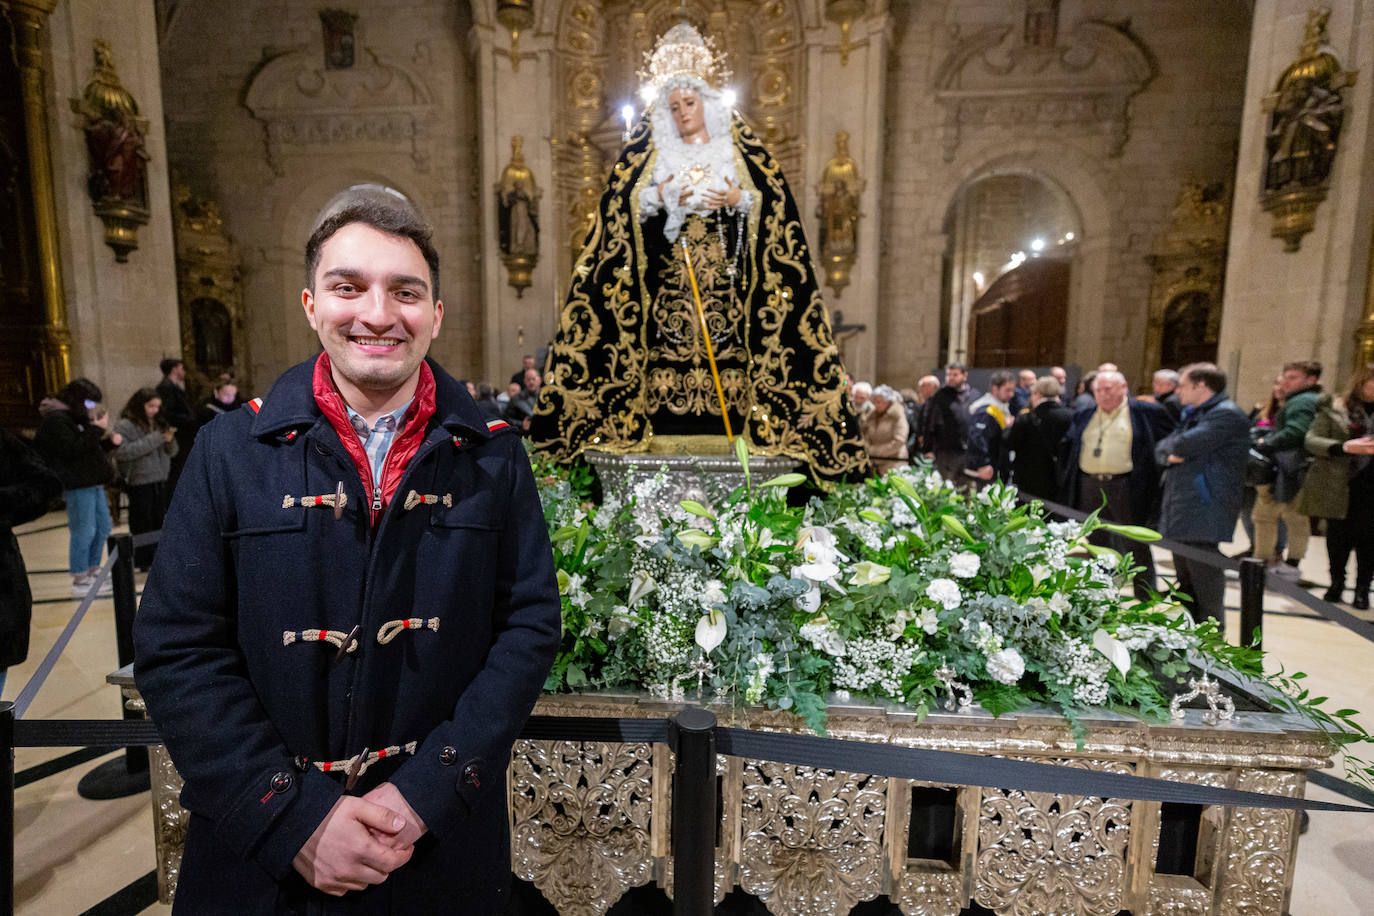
694	313
1305	112
517	199
839	213
339	43
114	136
1305	122
117	176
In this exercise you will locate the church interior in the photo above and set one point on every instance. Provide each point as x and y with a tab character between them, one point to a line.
996	183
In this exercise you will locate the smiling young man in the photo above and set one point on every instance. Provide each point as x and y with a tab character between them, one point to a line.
354	609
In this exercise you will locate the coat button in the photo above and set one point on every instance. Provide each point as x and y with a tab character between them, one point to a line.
471	776
448	756
281	782
301	762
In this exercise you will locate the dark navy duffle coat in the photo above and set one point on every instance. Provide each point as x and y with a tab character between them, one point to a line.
249	699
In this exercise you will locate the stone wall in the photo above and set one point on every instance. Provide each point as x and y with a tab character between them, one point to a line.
1122	174
1281	306
256	122
123	317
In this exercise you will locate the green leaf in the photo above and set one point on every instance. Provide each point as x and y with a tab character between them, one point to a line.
742	454
1134	532
785	480
956	527
565	533
696	508
1000	699
872	516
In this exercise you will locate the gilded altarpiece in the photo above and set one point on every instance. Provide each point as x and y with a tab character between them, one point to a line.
1189	262
209	293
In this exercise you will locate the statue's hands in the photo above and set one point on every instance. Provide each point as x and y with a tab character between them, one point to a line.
666	186
730	197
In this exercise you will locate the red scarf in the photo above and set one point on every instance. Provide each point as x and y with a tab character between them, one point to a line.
403	447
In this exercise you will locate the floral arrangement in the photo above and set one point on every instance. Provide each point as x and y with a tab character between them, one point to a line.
900	588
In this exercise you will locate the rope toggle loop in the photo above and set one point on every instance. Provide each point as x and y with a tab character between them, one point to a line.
364	760
392	628
346	642
335	500
414	499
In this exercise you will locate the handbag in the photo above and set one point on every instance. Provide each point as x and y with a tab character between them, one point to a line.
1260	470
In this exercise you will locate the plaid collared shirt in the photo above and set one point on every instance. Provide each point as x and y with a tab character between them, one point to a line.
377	440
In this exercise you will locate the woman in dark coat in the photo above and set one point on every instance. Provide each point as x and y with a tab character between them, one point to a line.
75	446
27	487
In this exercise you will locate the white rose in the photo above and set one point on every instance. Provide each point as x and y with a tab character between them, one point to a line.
1059	603
945	592
819	633
713	594
1006	666
965	564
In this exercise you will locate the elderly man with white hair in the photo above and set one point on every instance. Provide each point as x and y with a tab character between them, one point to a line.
885	429
1164	386
1111	464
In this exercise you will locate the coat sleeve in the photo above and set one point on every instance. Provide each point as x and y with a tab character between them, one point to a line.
137	444
1327	434
526	629
28	486
1217	430
1297	419
194	677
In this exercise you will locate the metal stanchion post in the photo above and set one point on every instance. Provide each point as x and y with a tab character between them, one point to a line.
127	775
694	813
7	806
1251	600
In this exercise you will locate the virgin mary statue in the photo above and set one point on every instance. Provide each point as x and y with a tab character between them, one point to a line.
630	369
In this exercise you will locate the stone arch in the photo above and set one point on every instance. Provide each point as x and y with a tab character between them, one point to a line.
1081	180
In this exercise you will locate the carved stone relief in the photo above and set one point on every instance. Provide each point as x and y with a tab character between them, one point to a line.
1084	81
375	107
1189	261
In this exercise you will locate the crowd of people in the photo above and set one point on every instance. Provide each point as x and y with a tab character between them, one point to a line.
1184	459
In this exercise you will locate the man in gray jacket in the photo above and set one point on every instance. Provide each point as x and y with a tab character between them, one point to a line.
1204	481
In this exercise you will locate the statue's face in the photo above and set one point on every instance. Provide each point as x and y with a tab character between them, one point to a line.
688	112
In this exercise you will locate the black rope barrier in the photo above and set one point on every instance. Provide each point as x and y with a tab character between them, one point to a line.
30	690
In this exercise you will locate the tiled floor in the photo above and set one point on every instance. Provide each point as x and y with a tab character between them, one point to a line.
71	854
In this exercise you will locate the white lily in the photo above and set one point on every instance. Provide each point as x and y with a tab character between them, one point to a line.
642	585
710	630
1114	649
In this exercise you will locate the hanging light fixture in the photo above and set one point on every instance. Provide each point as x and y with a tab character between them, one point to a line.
845	13
517	16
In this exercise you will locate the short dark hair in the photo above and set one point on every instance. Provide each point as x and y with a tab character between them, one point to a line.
1204	374
385	210
960	366
168	364
1310	367
1000	378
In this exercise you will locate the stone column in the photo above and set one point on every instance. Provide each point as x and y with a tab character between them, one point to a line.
29	18
848	95
515	100
1281	305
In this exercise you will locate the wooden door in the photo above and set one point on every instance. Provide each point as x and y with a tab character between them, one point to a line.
1020	320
